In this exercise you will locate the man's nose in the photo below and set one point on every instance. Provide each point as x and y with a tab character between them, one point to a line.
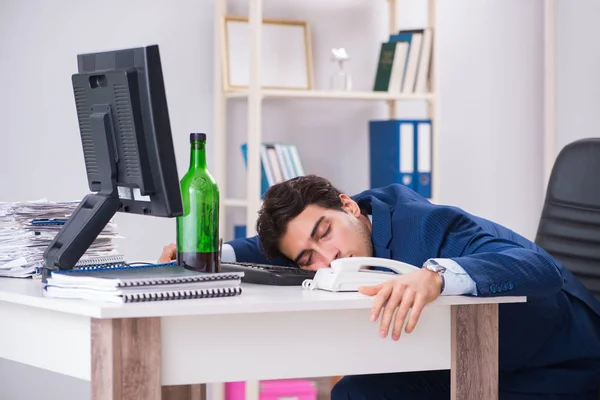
328	253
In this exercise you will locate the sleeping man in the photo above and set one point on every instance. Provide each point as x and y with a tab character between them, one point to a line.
549	347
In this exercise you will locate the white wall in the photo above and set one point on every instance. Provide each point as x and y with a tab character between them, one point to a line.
578	61
491	103
39	138
492	109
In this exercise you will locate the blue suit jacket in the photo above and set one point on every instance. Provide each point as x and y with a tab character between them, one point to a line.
550	344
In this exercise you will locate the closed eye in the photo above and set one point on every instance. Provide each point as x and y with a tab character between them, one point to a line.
327	232
307	262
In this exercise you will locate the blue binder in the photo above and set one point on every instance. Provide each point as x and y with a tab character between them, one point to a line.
392	151
424	157
400	153
239	231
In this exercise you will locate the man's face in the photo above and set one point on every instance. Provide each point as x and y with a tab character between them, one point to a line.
319	235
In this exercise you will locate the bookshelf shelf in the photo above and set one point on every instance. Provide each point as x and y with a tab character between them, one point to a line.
334	95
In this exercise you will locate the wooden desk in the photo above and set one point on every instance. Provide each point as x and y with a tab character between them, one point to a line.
129	351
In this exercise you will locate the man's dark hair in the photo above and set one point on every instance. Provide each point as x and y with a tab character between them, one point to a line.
284	201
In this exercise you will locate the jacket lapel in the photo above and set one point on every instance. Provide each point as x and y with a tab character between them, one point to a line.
382	228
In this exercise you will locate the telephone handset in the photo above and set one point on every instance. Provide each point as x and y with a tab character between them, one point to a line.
348	274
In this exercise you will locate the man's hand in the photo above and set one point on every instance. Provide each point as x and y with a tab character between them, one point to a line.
413	290
169	253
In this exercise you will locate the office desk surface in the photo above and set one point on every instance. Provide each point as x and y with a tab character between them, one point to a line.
267	332
254	299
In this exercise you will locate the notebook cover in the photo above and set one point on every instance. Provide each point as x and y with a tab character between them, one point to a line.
139	275
154	295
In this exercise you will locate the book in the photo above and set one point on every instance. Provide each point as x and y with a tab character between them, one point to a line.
384	67
266	179
295	159
425	62
279	162
122	283
398	67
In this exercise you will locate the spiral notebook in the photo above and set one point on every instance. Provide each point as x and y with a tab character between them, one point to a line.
122	283
100	261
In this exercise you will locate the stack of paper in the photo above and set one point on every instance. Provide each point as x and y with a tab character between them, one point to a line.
27	228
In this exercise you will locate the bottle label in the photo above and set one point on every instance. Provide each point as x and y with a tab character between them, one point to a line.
199	182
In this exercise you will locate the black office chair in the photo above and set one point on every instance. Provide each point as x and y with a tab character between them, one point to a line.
569	227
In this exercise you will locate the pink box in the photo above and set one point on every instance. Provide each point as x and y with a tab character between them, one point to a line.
288	389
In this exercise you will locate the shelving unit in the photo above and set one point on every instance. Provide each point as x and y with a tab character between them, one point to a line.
255	95
335	95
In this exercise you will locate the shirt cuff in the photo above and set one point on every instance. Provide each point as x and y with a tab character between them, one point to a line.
457	281
227	253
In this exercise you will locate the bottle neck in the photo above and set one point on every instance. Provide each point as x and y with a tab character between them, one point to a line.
198	155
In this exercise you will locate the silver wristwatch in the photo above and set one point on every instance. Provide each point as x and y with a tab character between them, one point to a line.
433	265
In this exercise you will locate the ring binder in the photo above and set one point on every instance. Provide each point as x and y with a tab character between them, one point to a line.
102	260
116	266
167	281
181	295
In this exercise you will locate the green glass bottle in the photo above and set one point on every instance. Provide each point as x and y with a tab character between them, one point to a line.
198	227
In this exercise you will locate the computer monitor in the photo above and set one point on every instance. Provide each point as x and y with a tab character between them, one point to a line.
127	146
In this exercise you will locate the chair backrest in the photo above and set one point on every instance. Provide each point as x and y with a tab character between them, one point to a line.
569	227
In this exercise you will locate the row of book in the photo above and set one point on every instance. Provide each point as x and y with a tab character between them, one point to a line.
405	62
400	151
279	162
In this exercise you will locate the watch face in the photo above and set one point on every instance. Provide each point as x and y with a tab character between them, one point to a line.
434	266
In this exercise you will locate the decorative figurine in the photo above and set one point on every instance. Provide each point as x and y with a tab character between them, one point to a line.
340	80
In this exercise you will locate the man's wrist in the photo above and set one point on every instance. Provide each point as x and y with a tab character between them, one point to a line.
439	281
439	270
456	280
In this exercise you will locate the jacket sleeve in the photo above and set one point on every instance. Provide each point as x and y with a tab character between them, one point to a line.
499	267
249	250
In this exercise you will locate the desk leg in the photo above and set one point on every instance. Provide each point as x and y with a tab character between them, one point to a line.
126	362
474	373
126	359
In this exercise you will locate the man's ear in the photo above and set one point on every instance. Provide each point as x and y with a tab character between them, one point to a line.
349	205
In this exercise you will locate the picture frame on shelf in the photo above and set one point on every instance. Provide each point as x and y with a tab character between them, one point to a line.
286	54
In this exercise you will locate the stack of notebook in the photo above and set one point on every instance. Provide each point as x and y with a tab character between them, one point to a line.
123	283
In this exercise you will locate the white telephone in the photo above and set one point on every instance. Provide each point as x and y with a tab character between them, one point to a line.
348	274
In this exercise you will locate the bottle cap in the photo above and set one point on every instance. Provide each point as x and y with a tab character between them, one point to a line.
194	137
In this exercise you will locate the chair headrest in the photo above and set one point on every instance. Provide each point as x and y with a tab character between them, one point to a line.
575	177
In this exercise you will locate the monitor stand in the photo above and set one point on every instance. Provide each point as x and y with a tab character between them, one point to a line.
95	211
